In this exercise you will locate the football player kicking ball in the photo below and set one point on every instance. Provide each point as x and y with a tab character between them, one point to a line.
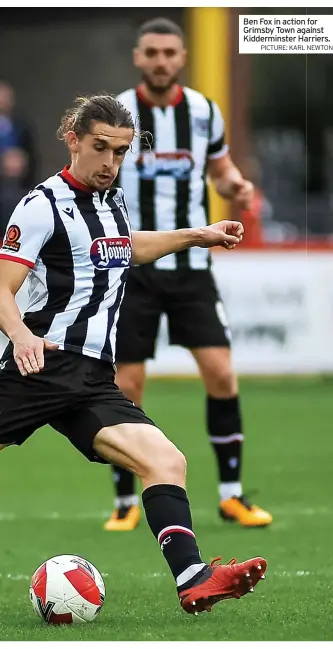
72	234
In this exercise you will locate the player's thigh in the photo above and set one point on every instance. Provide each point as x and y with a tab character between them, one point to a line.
144	449
217	371
195	313
138	322
103	405
112	429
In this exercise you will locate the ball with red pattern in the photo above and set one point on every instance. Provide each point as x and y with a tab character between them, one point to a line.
67	589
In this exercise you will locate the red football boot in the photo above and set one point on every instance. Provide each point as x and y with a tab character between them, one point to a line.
225	581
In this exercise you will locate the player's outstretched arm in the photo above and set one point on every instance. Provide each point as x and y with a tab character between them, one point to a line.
149	246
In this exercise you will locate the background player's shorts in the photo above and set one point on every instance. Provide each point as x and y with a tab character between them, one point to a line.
195	313
75	394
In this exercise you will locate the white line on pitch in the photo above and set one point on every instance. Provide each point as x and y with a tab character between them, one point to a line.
198	513
55	516
159	575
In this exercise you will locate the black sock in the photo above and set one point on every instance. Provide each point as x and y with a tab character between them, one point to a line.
169	518
224	423
124	482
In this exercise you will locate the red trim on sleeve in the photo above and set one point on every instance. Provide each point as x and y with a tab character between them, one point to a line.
18	260
176	100
68	176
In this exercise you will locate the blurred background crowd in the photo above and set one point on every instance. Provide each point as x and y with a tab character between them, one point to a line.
18	153
280	132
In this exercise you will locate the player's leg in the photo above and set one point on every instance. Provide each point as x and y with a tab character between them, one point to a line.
224	425
136	335
142	448
223	416
198	321
161	467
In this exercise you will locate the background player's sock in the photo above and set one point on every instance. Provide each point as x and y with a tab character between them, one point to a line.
169	518
229	489
124	482
224	424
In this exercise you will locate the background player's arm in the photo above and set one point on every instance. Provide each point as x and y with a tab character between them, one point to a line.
149	246
226	177
229	182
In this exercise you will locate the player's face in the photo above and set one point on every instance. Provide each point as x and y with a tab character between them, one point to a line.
97	156
160	57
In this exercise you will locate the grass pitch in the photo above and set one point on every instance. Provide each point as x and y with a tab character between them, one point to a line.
54	502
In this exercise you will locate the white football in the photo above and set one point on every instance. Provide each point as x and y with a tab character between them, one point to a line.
66	590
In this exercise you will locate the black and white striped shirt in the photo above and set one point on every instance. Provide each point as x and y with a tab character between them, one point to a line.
78	246
165	186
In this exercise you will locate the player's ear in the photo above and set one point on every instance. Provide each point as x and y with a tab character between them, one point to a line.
72	141
136	56
184	56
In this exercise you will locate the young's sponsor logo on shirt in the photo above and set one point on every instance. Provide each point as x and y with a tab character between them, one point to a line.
111	252
178	164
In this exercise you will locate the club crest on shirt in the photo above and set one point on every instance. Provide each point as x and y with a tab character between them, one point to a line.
201	126
177	164
111	252
120	203
11	240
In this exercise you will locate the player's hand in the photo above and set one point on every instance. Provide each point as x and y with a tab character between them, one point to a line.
243	193
224	233
29	352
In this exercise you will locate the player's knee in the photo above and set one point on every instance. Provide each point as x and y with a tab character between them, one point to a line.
174	464
161	461
169	467
144	450
223	383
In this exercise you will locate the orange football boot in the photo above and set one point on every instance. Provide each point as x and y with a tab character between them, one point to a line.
224	582
124	519
241	511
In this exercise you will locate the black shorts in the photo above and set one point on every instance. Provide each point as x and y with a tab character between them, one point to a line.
189	298
73	393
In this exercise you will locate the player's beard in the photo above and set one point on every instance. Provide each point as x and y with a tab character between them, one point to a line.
159	90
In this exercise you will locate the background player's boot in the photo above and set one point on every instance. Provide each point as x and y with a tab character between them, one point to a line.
124	519
222	582
240	510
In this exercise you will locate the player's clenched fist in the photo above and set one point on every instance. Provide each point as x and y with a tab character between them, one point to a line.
224	233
